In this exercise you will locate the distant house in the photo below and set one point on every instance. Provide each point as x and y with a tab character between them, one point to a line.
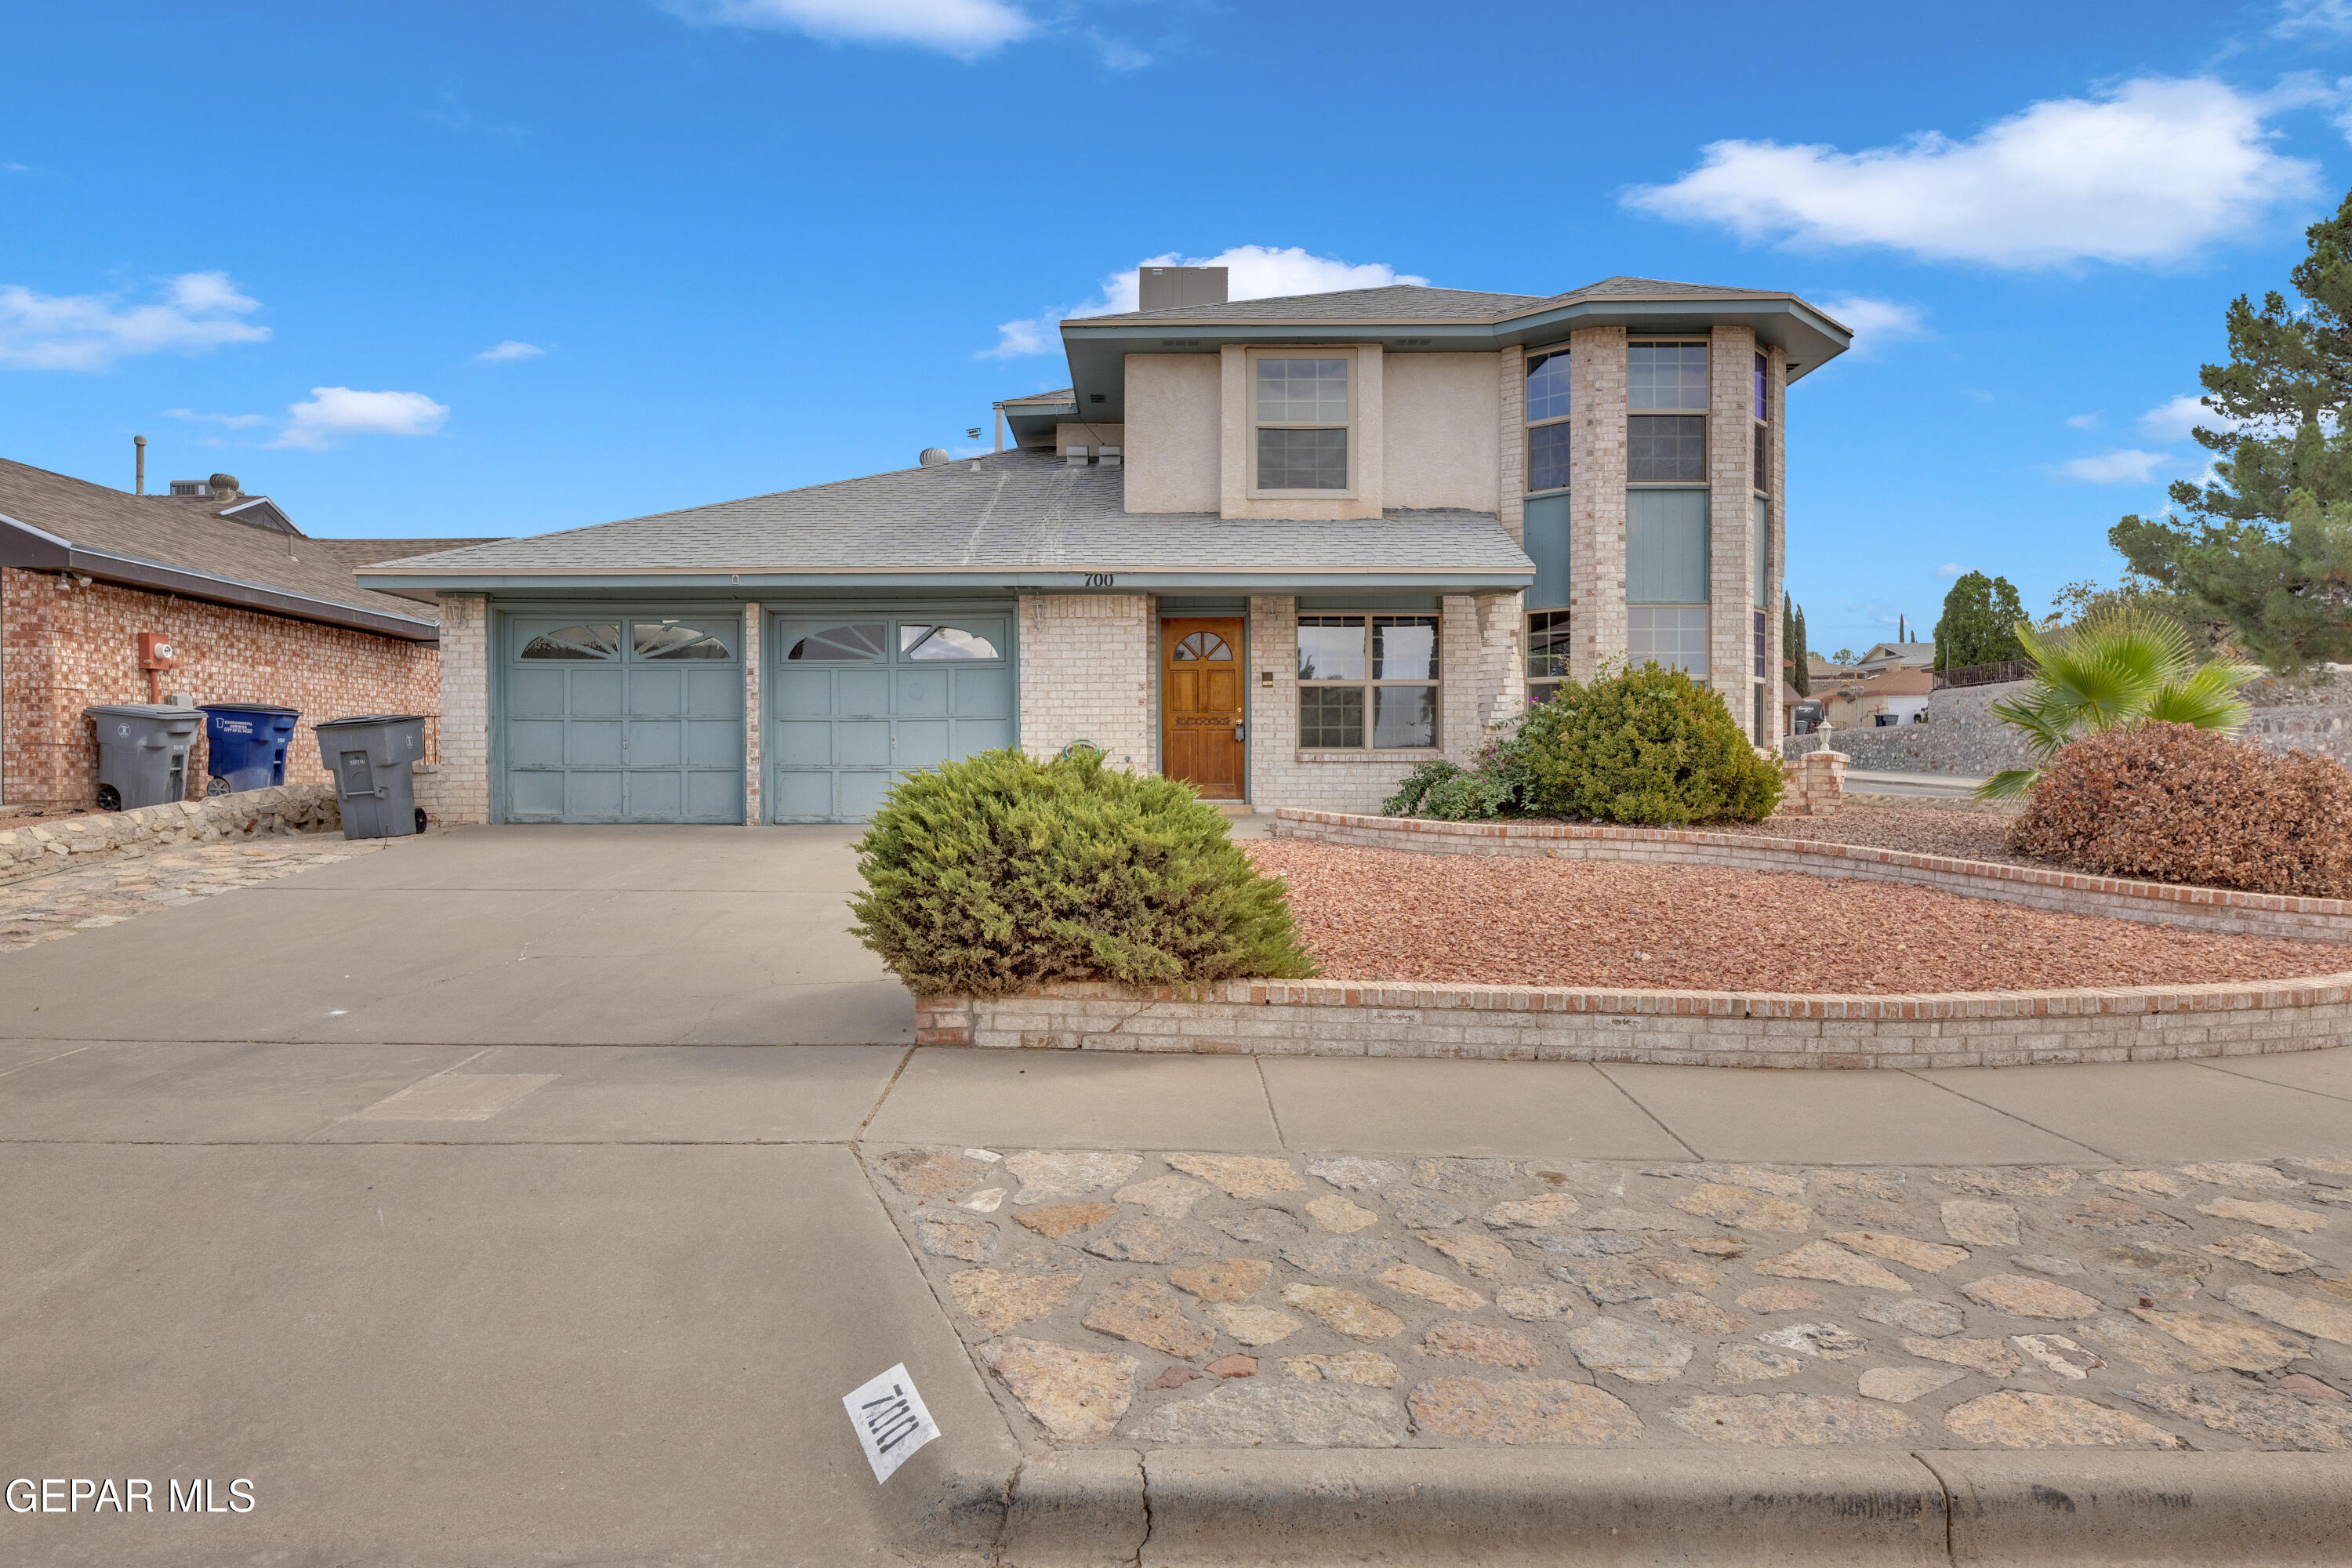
1894	695
255	611
1897	655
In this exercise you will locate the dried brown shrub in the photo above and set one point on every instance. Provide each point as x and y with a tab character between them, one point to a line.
2172	803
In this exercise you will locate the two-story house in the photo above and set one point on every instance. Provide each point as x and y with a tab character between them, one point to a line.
1284	549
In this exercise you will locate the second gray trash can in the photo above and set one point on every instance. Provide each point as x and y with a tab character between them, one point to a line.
369	758
142	754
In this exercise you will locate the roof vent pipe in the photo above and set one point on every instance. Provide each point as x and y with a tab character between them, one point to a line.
932	457
224	487
139	465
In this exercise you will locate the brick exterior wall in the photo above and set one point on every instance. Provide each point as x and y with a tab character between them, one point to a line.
1731	516
1597	465
1776	469
64	649
1087	674
462	792
1815	784
1511	469
752	621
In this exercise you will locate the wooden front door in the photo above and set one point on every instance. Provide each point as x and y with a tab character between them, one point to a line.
1201	678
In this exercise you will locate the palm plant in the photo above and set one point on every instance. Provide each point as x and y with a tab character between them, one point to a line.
2112	669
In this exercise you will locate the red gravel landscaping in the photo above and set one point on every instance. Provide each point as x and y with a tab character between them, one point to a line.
1391	914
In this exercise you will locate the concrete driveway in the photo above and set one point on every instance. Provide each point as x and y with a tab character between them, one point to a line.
494	936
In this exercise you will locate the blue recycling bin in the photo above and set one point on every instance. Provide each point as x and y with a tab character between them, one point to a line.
245	745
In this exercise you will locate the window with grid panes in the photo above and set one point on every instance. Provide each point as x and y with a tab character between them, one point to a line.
1548	432
1546	654
1367	682
1762	444
1300	408
1665	424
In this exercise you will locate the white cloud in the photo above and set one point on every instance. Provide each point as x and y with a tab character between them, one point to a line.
511	349
2172	421
233	421
2298	16
963	29
1252	272
16	168
1949	569
2127	465
334	412
90	332
1977	395
1878	322
2085	421
2148	173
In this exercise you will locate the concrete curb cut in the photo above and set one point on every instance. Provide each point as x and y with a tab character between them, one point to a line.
1175	1508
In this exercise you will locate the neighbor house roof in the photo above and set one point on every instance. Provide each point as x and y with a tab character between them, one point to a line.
1012	518
194	546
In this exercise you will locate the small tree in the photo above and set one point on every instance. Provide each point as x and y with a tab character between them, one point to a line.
1979	624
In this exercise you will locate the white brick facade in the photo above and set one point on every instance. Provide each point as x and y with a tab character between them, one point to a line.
752	772
463	788
1731	512
1087	674
1597	482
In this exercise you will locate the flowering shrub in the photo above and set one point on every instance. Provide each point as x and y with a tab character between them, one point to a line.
2173	803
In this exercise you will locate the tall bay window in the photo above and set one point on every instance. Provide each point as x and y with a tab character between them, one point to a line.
1759	446
1545	522
1300	411
1367	682
1667	583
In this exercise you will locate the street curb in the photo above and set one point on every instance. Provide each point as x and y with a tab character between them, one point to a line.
1506	1507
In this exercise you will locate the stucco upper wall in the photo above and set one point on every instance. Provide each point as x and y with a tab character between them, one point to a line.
1439	423
1174	427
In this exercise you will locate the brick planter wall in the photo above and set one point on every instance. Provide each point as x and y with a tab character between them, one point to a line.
1692	1028
2075	892
38	847
70	648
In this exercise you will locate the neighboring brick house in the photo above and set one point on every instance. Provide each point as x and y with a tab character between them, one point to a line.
1894	694
1284	549
256	611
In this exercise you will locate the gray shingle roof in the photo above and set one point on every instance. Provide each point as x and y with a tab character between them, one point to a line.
187	533
1009	512
1413	302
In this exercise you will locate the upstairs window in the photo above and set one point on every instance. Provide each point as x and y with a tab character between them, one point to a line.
1762	432
1547	419
1300	408
1665	427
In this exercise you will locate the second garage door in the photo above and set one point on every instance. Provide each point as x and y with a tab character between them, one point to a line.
860	699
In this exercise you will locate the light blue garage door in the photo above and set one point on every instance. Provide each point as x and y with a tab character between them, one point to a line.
860	700
624	717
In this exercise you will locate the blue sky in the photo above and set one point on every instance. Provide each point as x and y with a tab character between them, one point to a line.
734	246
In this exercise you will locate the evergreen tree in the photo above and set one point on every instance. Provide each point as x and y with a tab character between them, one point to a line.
1804	657
2265	549
1792	647
1979	624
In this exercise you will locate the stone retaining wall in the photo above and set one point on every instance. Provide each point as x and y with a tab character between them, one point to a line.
39	846
2074	892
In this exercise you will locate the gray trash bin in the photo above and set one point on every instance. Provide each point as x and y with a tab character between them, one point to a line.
370	757
142	754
